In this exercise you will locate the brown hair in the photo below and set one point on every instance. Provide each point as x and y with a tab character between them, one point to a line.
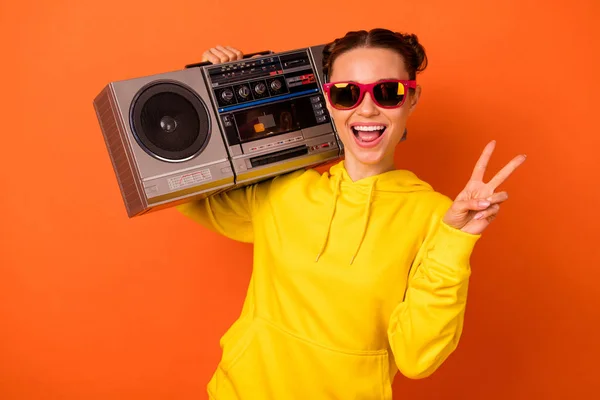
407	45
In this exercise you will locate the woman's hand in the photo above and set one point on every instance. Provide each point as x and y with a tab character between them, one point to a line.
220	54
478	204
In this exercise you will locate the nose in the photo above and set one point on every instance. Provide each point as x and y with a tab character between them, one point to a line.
367	107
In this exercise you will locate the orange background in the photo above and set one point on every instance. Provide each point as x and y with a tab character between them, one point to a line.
96	306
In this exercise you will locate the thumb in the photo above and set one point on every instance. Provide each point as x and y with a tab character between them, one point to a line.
464	206
458	213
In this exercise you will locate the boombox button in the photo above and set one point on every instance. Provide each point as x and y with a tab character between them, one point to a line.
322	118
315	99
227	121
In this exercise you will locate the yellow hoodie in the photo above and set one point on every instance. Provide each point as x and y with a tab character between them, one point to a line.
352	281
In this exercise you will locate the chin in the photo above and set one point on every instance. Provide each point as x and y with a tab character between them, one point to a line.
369	154
372	156
369	159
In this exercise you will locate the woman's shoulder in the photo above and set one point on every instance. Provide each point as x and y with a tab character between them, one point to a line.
433	202
285	188
293	179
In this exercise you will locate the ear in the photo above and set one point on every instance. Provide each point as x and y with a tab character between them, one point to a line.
414	99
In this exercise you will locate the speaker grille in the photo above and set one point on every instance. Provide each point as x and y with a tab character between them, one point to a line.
170	121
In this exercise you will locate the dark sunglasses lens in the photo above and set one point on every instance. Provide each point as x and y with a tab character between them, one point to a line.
344	95
389	94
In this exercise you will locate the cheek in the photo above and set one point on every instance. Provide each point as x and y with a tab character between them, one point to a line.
397	116
398	120
339	117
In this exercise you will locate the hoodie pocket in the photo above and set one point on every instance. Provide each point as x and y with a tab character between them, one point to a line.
267	361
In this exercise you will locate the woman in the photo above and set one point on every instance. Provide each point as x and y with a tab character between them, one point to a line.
360	271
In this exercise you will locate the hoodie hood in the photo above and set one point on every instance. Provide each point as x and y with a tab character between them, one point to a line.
363	190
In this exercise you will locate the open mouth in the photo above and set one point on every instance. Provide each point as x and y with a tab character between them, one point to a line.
368	133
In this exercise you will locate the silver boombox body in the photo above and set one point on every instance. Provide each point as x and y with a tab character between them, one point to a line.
188	134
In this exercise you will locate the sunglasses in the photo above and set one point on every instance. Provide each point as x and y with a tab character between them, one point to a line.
386	94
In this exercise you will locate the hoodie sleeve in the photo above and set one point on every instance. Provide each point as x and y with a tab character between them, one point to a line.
227	213
426	327
234	213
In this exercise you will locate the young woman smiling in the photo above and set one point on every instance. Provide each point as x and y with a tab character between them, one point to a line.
371	277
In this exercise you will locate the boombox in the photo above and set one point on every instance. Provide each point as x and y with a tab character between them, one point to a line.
191	133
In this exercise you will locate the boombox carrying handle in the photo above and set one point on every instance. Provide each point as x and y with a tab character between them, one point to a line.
258	53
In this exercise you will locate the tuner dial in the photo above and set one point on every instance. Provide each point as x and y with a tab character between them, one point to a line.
244	91
276	84
227	95
260	88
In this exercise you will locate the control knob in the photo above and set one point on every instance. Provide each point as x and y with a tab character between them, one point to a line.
244	91
260	88
276	84
227	95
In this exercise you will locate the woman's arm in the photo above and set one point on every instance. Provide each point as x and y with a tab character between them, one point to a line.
426	327
228	213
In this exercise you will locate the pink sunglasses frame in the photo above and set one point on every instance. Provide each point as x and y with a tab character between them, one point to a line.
368	88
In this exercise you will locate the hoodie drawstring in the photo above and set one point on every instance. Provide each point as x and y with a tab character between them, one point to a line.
334	203
366	219
366	222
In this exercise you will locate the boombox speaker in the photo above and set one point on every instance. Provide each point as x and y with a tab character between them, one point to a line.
188	134
163	139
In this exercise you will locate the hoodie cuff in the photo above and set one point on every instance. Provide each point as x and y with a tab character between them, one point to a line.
452	247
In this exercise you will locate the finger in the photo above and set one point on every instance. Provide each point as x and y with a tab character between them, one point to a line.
505	172
482	162
488	213
470	205
497	198
239	54
222	56
208	56
230	54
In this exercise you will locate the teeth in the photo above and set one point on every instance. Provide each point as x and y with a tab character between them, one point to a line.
369	128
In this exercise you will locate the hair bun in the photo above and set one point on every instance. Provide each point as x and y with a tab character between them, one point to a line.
420	60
